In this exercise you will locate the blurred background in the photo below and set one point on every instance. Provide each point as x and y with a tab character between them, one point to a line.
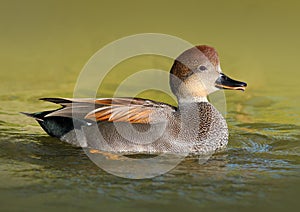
44	46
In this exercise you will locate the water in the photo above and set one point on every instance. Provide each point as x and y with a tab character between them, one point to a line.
260	168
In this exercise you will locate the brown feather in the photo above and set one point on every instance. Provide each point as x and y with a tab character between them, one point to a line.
132	110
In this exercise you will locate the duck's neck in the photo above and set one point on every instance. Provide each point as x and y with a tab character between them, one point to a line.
192	100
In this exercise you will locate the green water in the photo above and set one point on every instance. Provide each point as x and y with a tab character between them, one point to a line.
45	44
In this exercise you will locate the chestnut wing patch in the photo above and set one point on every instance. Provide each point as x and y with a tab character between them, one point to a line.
132	110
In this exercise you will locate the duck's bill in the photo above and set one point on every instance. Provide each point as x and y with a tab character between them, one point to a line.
224	82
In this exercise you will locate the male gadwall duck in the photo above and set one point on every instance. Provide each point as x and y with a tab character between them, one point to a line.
135	125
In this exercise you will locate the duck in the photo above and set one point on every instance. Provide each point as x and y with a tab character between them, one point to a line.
131	125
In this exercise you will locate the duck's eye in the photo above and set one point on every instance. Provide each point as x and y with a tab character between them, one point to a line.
202	68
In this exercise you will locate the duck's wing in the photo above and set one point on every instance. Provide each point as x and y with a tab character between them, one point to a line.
132	110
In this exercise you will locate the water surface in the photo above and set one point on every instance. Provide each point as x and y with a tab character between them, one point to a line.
43	50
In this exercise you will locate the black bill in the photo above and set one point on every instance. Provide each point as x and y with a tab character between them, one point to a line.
224	82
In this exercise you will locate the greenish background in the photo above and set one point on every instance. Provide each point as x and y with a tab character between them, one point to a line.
45	44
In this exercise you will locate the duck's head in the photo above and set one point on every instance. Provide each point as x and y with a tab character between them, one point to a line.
196	73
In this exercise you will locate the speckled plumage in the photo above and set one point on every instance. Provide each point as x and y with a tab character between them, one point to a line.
210	135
